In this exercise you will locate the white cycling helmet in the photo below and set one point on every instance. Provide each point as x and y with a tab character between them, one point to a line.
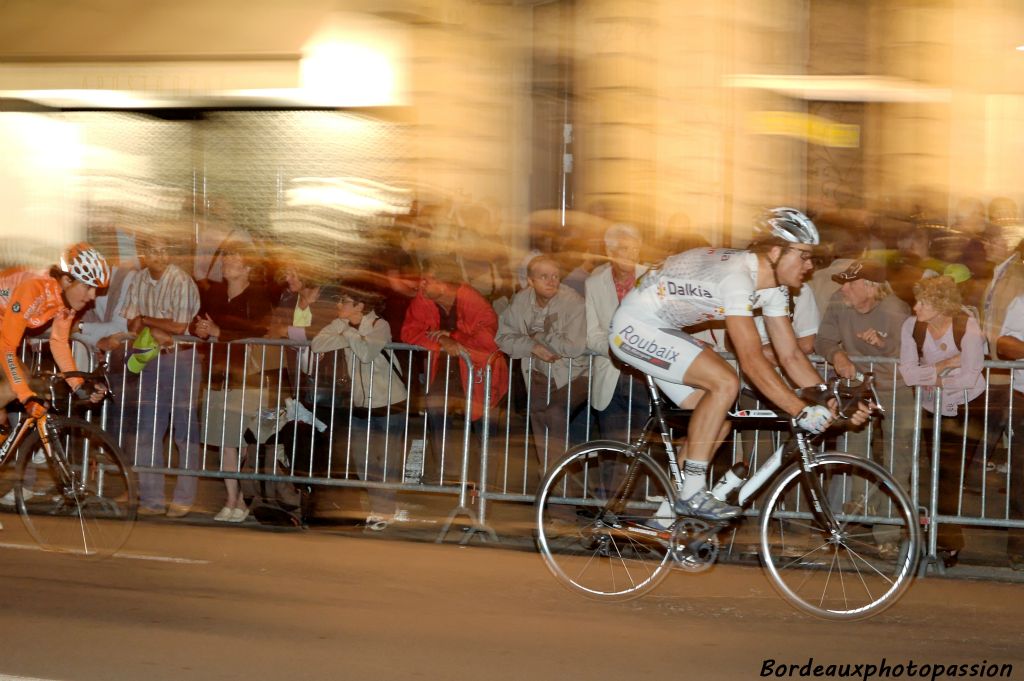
84	263
786	224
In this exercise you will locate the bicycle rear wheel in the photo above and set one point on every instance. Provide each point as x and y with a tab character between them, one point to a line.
862	567
92	511
603	522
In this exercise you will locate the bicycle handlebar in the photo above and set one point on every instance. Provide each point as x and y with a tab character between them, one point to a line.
96	376
847	392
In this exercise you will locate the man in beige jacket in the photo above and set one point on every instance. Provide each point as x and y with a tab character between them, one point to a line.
620	403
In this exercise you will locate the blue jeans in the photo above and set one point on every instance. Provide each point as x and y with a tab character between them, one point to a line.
165	393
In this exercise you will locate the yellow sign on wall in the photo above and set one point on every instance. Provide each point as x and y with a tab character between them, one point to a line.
814	129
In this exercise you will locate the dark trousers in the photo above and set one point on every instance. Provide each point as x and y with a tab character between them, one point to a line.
957	446
551	410
1015	492
627	413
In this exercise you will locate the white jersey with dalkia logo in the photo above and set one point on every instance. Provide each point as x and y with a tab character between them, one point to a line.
706	284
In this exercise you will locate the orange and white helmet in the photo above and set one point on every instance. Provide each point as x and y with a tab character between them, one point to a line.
84	263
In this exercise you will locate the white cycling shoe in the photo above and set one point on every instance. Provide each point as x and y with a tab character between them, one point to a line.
704	506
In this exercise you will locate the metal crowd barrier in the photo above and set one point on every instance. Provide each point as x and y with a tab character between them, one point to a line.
511	473
279	383
434	446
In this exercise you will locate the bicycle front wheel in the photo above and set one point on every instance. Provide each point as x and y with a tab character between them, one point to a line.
83	504
857	568
603	522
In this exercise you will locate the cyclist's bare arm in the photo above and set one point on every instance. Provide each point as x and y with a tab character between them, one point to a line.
747	343
798	367
787	349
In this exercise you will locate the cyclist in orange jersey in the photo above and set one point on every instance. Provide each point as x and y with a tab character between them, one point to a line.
39	300
10	279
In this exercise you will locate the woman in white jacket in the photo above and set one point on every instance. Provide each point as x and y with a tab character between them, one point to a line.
372	408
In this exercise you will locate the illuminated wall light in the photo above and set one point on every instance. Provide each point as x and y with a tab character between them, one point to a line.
348	74
1019	48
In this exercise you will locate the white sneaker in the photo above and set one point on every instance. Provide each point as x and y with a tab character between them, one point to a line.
224	515
238	515
376	523
39	457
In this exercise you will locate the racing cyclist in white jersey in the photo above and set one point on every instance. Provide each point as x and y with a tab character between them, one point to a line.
709	284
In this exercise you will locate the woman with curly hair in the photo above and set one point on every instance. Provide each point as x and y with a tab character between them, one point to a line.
942	345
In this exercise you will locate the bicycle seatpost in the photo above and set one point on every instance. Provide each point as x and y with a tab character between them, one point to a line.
657	415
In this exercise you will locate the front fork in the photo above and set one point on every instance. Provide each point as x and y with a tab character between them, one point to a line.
818	496
55	454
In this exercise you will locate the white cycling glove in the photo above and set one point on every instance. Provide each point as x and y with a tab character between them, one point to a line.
814	418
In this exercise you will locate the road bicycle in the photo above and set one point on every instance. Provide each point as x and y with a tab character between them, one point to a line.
837	536
72	487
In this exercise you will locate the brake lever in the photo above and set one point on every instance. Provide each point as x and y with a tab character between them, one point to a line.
876	401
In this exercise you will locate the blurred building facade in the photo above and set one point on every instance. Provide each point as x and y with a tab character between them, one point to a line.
679	115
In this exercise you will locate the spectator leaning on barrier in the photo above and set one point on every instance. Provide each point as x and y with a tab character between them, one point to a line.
375	389
163	299
449	317
545	327
1007	283
299	315
611	391
942	345
1011	347
231	309
864	318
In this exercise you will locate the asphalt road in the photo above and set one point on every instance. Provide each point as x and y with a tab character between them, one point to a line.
195	602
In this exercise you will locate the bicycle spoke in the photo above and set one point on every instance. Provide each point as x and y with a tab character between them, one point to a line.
610	561
854	554
852	584
93	512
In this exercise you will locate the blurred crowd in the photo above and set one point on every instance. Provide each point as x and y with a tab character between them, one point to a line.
936	299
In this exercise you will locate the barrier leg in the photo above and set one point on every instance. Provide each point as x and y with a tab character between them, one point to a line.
474	526
931	560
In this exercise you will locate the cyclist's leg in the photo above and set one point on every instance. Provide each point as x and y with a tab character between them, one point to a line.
708	429
718	386
675	358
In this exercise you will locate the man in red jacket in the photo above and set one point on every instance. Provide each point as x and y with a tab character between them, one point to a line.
449	318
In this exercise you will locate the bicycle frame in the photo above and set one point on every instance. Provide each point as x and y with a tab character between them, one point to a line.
11	444
42	425
796	448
